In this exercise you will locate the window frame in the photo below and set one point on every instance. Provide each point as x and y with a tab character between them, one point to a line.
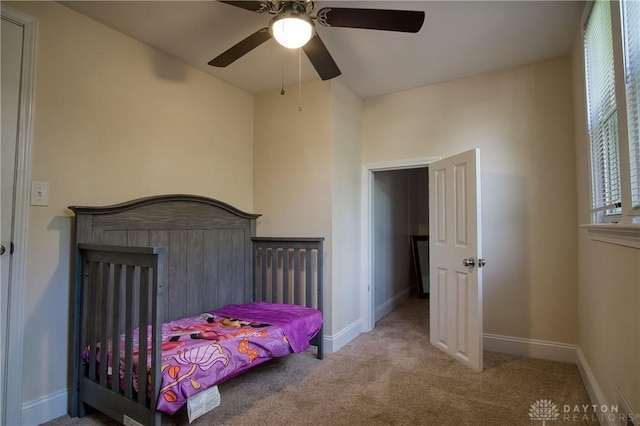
608	210
628	215
634	201
627	231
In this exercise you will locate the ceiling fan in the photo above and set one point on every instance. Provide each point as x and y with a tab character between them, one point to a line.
293	27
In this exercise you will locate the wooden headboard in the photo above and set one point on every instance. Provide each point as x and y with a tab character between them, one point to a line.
207	242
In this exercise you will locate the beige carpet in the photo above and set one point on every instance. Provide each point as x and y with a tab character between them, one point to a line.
391	376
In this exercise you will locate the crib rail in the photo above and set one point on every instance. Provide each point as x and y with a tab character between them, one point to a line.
290	270
122	290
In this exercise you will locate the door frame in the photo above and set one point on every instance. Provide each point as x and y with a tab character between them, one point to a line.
367	298
12	401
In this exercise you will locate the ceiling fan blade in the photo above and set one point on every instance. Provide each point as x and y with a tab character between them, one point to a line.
242	48
253	6
321	59
407	21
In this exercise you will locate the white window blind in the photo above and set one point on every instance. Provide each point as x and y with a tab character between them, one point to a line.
631	37
602	110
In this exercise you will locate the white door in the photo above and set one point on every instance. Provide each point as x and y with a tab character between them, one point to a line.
455	246
12	51
19	33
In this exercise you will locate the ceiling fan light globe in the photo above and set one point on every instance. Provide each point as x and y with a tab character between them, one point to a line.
292	30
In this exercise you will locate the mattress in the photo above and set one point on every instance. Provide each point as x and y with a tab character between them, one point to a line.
209	349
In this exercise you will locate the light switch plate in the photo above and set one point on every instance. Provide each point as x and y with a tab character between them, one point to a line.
39	193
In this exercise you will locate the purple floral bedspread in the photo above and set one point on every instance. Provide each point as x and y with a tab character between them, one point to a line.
200	352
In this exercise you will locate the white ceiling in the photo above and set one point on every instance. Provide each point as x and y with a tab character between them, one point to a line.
458	39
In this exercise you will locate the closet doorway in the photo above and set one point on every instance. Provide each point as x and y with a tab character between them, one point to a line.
373	177
400	211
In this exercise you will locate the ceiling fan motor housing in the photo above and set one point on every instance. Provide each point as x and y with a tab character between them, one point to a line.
304	7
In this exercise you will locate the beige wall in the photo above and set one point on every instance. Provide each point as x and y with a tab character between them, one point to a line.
289	144
292	168
307	183
114	120
609	282
522	121
346	112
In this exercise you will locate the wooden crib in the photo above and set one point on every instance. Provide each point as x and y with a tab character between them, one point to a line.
149	261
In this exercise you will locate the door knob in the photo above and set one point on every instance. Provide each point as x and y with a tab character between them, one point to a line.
469	263
2	249
481	263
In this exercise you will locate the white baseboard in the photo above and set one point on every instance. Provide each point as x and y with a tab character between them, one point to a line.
625	409
334	342
595	394
388	306
46	408
531	348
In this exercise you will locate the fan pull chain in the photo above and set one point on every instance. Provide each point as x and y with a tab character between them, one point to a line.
300	79
282	84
